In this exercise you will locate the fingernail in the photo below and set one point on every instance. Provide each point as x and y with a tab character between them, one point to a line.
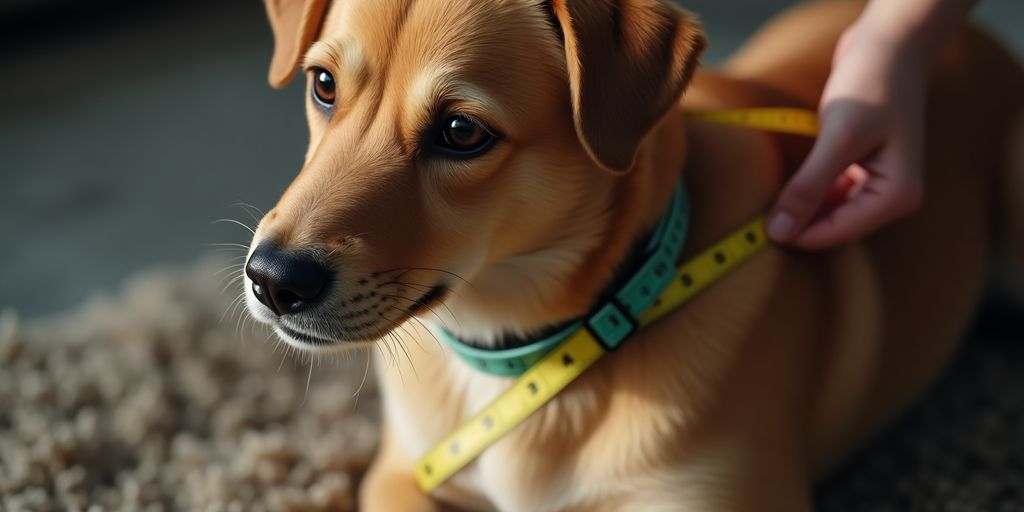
781	227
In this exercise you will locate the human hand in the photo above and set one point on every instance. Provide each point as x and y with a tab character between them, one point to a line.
866	167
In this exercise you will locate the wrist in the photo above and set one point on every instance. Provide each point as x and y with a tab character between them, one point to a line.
879	48
897	35
914	28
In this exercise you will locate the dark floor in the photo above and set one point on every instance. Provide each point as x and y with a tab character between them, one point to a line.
127	127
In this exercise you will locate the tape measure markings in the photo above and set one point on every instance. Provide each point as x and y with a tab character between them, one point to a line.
707	267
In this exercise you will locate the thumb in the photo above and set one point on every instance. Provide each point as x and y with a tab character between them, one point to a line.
842	142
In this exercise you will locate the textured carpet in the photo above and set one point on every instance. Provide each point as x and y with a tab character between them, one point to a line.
149	401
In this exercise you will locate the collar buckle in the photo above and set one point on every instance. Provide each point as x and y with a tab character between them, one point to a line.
611	324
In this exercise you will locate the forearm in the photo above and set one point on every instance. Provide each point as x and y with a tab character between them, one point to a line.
919	26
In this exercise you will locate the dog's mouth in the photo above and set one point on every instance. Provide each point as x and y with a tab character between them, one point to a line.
435	294
335	331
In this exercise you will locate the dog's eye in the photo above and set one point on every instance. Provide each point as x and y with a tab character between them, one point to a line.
461	135
323	87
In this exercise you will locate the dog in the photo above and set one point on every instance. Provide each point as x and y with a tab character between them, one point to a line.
489	165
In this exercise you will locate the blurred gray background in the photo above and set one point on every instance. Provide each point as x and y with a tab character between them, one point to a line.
127	127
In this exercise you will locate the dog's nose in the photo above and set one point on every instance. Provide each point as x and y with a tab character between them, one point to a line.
286	282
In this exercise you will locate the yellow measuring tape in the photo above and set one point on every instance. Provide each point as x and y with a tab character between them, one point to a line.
555	371
784	120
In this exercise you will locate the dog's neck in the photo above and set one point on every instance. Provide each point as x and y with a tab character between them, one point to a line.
536	297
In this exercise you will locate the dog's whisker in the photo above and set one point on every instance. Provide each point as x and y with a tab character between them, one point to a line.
405	270
231	265
424	326
248	320
392	362
381	352
231	276
234	268
394	359
391	350
228	310
404	283
366	371
398	362
430	332
396	269
248	208
240	304
422	305
416	339
239	324
408	334
233	221
418	286
231	245
233	280
277	342
232	250
430	308
229	281
398	341
252	207
427	288
446	272
309	379
284	355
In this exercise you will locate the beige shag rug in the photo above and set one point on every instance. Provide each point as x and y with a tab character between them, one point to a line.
149	401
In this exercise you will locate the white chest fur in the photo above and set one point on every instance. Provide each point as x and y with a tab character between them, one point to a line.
442	393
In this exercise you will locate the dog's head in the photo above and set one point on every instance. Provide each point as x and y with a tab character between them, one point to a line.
461	151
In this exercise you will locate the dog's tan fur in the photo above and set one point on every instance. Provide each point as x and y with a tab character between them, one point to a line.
734	402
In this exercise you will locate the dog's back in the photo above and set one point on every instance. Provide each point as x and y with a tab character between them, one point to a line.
972	209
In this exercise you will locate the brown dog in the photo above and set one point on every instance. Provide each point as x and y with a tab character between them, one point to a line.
490	163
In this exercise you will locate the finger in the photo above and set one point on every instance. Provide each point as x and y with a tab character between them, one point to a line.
879	201
843	141
845	184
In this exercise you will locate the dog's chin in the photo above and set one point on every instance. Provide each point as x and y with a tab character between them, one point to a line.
310	342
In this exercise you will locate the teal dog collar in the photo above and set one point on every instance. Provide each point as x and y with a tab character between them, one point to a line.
614	319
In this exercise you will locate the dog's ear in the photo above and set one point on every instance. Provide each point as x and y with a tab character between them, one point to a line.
628	63
296	24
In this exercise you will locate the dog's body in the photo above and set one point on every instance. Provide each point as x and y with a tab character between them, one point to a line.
735	401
